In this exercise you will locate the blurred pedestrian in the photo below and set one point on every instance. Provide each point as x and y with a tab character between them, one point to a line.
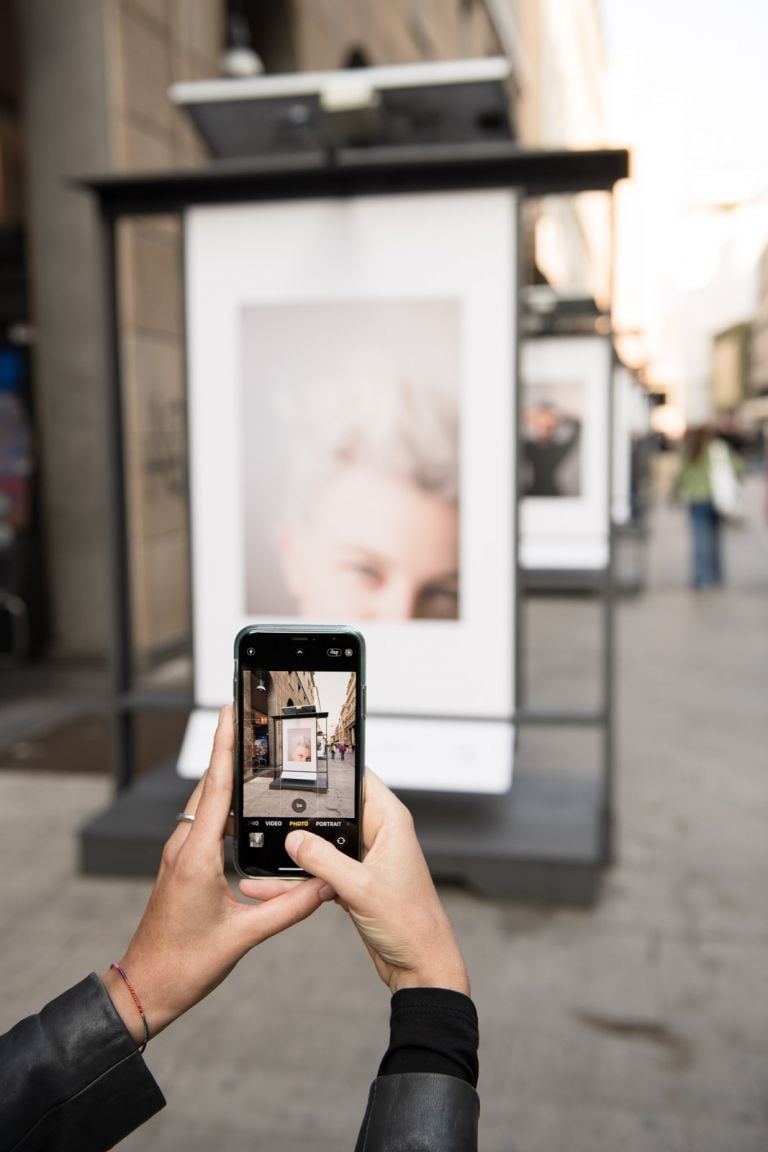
695	484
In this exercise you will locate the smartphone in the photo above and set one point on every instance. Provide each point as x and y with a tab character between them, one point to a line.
300	742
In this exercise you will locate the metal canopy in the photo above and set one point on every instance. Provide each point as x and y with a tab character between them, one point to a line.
354	172
454	101
550	842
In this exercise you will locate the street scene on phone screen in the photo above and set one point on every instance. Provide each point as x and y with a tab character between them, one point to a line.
299	742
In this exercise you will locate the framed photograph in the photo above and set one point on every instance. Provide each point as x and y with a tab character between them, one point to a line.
553	420
564	438
359	420
300	750
351	397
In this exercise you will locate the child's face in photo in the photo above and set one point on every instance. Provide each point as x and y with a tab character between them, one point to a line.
299	749
374	547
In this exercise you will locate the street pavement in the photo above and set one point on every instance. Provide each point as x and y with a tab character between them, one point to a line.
338	802
639	1025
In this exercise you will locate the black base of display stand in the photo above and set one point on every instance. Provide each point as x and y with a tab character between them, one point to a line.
572	581
296	783
631	561
580	581
538	843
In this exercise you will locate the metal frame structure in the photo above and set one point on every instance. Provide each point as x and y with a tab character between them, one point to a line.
279	768
344	173
597	583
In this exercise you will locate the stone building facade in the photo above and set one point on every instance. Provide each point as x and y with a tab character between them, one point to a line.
96	75
758	360
346	728
265	695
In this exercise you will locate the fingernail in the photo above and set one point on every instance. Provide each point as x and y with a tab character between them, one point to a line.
326	893
293	842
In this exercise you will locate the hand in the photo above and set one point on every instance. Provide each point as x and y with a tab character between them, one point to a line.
390	896
194	929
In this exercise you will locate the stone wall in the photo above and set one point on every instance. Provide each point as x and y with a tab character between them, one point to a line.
96	77
327	32
152	46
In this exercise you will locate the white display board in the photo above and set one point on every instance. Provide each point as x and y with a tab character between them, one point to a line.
472	756
564	470
351	399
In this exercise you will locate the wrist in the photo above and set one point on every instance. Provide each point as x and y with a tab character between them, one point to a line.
124	1004
452	977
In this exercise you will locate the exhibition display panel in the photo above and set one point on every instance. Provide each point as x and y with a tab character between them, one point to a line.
565	383
306	279
351	381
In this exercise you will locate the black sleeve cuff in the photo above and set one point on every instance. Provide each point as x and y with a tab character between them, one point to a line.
432	1030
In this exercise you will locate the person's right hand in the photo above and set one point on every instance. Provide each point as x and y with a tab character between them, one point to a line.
390	895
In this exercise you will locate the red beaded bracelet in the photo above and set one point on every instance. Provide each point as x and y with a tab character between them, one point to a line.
137	1002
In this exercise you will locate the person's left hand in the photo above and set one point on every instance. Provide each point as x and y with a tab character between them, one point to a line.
194	929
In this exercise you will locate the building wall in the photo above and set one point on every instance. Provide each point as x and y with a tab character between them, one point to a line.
730	367
298	687
345	731
758	376
96	75
399	32
154	45
11	152
67	134
563	107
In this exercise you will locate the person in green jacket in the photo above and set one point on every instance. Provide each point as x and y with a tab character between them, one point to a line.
693	485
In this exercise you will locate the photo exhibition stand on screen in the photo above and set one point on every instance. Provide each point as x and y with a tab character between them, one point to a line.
351	394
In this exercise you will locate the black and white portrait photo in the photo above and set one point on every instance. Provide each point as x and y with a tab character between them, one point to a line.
351	425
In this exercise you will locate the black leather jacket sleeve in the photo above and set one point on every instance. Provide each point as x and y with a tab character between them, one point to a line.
420	1112
71	1078
424	1097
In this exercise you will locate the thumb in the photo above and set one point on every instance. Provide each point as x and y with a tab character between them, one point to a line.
316	856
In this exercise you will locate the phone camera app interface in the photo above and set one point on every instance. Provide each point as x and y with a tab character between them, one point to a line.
299	741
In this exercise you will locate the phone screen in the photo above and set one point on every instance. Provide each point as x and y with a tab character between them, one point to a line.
300	743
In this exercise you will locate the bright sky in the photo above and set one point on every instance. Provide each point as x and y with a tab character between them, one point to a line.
708	59
688	91
332	687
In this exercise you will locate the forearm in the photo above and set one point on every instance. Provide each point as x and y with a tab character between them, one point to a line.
71	1078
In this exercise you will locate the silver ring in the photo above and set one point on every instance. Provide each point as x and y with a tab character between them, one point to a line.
188	816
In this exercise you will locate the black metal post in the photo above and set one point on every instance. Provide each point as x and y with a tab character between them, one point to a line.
519	589
609	600
122	719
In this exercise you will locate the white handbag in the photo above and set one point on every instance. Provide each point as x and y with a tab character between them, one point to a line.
727	491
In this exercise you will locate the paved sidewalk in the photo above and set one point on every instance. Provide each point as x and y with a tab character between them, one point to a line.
640	1026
